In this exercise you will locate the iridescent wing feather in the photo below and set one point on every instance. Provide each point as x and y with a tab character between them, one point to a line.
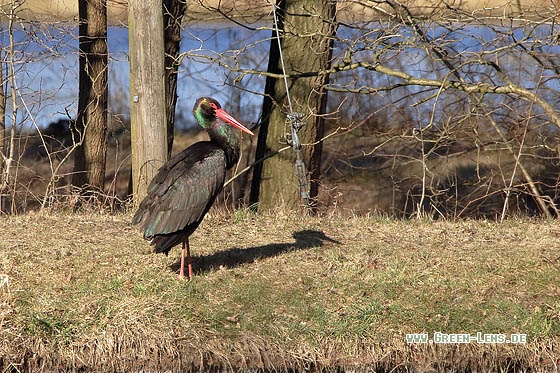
181	194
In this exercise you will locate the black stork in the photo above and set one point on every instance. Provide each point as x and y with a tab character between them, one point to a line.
185	188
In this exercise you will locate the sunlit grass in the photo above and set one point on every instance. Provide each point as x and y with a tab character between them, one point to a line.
278	290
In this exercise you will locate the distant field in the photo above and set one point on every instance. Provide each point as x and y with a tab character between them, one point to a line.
84	292
68	9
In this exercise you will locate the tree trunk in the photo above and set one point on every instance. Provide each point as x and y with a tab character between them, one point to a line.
308	27
147	92
269	100
2	116
2	132
91	123
173	12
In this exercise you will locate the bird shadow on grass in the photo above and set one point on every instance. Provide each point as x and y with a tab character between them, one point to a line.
236	256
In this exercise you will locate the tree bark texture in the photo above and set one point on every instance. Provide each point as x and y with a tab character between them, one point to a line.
147	93
306	45
90	131
3	152
173	12
2	120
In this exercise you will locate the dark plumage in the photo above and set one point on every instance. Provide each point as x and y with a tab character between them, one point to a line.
181	194
184	189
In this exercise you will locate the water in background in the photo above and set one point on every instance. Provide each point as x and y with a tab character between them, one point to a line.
46	65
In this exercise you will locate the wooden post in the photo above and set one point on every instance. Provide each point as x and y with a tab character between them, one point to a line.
147	92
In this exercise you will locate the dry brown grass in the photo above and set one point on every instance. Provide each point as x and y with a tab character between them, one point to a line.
277	292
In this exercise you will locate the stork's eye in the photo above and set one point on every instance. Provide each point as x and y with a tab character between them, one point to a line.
213	106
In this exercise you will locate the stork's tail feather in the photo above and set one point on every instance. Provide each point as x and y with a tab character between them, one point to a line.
164	242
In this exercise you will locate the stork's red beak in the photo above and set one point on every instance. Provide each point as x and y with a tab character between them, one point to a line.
223	115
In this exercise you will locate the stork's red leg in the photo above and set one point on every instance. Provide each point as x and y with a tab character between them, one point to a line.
182	270
186	249
189	262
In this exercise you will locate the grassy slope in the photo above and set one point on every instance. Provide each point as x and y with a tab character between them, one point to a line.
272	291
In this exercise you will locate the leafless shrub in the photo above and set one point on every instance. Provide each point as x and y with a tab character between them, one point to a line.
435	111
446	113
40	75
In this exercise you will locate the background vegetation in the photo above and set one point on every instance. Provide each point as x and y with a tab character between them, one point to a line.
443	113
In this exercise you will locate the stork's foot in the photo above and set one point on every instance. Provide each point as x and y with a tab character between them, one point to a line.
181	276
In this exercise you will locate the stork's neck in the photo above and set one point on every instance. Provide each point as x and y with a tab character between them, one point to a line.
226	138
